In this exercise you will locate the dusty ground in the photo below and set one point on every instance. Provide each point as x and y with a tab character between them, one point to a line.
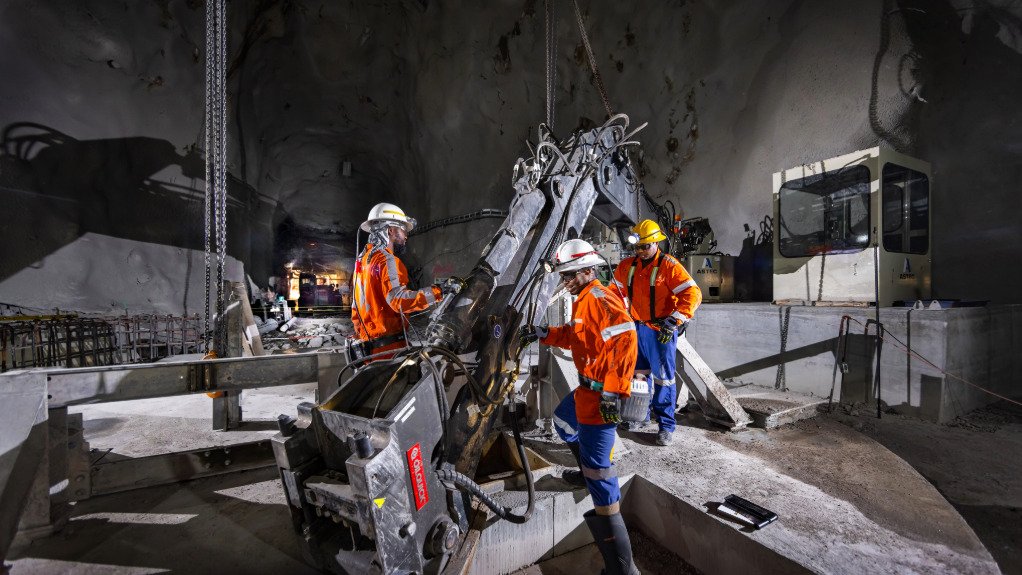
847	504
973	461
233	524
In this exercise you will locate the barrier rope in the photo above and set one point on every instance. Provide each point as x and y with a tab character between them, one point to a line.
908	351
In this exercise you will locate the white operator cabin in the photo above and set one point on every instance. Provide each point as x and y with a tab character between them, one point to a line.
854	228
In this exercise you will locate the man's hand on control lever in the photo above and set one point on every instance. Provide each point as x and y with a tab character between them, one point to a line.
451	285
528	334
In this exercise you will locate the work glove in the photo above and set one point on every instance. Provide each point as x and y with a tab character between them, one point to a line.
610	407
451	285
528	334
667	327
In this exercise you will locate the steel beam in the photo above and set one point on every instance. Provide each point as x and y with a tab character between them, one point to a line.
29	396
122	382
136	473
717	402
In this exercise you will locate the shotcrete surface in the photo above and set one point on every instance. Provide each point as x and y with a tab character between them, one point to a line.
846	504
972	462
338	105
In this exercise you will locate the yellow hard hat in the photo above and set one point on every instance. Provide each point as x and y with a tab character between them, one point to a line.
646	232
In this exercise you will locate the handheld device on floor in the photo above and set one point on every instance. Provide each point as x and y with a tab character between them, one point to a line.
747	511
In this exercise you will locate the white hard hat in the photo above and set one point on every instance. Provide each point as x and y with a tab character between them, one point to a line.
388	213
576	255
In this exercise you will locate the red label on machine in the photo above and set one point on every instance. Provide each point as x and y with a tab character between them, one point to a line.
418	475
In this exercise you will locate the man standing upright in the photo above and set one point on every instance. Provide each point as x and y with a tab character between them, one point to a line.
662	298
380	296
601	337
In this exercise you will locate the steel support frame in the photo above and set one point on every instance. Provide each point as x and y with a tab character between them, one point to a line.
717	403
40	470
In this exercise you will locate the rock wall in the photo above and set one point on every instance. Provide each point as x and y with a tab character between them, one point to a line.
734	91
335	106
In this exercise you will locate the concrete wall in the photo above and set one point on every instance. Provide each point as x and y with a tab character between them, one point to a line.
742	343
431	102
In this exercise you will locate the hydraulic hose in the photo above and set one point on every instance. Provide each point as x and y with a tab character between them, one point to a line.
462	482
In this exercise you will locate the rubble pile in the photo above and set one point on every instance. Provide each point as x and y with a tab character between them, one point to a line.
305	333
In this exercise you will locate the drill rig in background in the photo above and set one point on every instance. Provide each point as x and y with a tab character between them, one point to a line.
691	241
378	476
695	247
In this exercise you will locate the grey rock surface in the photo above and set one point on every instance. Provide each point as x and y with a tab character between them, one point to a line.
339	105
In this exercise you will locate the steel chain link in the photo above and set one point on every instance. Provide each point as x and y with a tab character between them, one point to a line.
221	219
207	128
781	381
215	204
551	62
592	60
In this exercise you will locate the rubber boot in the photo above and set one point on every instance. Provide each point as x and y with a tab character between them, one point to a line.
574	476
612	540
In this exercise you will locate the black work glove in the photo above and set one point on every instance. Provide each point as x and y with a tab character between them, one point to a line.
450	285
528	334
667	327
610	407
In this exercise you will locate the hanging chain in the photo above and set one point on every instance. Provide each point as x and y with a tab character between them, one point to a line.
551	62
215	205
819	291
207	128
592	60
781	381
823	255
221	220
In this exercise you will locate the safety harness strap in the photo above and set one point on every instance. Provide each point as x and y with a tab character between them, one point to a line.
652	283
652	287
631	274
385	340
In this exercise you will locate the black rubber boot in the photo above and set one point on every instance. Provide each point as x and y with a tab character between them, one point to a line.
612	540
574	476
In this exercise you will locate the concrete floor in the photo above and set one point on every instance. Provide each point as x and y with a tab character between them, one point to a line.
847	504
973	461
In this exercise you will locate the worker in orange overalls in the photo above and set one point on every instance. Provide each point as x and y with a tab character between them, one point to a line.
601	337
662	298
380	296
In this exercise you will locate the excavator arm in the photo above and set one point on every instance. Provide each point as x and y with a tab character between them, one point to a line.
378	476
